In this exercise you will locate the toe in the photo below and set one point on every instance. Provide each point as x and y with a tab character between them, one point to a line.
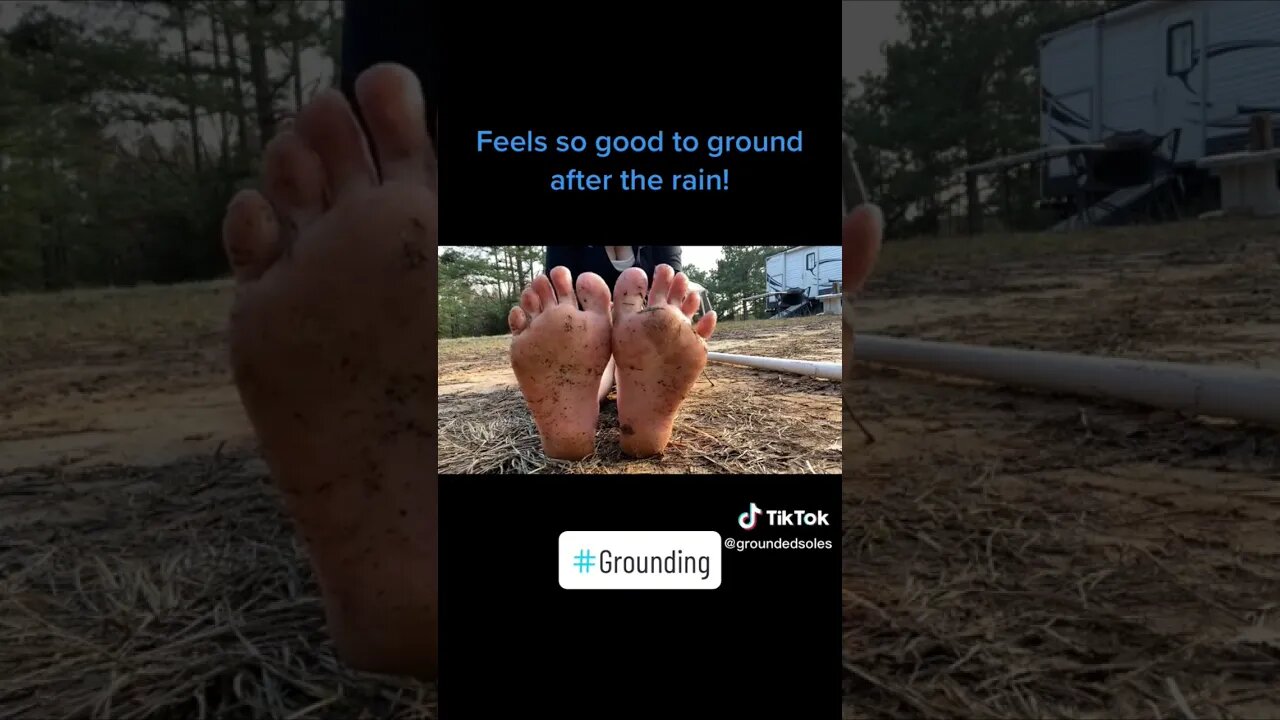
530	302
542	286
293	181
329	127
517	320
250	235
679	289
391	103
690	304
705	325
662	278
593	293
861	239
629	290
562	281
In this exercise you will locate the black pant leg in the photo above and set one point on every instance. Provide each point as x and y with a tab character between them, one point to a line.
399	31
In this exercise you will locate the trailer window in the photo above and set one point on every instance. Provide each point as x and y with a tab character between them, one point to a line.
810	261
1180	47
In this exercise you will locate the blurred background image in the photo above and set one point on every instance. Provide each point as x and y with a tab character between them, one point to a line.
125	127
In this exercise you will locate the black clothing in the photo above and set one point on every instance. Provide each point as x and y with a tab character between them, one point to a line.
398	31
594	258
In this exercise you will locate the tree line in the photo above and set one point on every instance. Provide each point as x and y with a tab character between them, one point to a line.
480	284
126	127
963	87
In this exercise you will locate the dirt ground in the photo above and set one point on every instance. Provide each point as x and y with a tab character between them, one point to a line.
1006	553
1019	554
736	420
146	569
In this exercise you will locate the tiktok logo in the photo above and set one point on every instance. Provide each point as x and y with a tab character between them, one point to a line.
747	520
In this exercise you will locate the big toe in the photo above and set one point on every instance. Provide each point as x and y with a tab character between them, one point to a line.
391	102
593	293
250	235
629	291
861	236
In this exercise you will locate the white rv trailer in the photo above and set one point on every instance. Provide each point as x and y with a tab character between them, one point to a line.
809	269
1202	66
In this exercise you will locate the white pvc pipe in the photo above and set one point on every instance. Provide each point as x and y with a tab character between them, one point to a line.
827	370
1242	394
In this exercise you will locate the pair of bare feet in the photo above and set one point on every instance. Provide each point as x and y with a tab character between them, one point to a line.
562	343
333	350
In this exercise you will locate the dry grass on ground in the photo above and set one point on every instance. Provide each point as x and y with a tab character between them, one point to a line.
1006	553
1015	554
146	569
169	592
735	421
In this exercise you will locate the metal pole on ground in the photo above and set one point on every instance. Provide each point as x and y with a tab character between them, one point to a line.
1242	394
827	370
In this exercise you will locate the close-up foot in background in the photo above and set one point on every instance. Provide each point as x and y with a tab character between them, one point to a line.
334	354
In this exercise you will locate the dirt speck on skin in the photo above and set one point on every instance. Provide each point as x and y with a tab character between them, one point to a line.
416	254
626	430
416	245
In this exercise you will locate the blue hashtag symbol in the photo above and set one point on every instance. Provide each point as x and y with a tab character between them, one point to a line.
584	560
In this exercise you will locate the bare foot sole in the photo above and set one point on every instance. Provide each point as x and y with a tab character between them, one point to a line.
559	353
659	355
334	353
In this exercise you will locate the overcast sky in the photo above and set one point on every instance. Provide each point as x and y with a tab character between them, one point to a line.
865	26
317	69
